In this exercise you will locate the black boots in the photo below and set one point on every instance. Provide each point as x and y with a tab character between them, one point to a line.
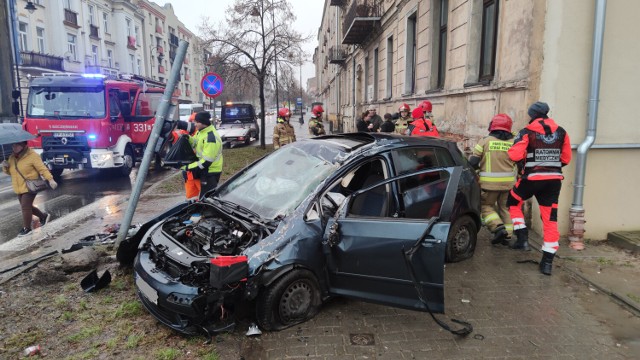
546	263
522	242
500	236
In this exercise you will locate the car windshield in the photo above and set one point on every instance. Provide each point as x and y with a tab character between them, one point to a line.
277	184
66	102
185	111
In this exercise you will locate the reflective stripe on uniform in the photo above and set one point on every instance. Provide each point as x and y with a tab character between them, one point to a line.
478	148
540	174
490	217
543	163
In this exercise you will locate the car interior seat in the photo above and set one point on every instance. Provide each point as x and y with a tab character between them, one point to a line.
374	201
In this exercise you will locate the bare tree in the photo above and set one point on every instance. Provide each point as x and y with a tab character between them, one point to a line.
256	34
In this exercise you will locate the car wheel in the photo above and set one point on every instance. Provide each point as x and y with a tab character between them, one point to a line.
290	300
56	173
127	162
461	242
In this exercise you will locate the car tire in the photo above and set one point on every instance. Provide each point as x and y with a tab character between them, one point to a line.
461	242
292	299
127	162
56	173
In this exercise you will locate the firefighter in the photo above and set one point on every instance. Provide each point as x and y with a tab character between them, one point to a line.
540	150
283	133
207	145
497	176
403	121
315	124
421	126
427	108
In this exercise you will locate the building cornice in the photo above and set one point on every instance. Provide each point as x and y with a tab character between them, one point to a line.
146	5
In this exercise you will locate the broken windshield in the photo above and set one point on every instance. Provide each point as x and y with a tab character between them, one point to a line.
66	102
276	185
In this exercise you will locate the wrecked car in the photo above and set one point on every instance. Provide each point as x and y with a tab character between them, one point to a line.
366	216
238	125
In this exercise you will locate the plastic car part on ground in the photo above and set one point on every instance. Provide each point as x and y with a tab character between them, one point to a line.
92	282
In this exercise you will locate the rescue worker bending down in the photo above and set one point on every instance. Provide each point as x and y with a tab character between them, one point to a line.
421	126
541	149
207	145
315	124
497	176
283	132
402	123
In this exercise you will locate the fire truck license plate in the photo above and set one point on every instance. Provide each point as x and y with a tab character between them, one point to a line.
63	134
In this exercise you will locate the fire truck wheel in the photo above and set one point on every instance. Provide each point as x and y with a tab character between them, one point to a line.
57	173
128	162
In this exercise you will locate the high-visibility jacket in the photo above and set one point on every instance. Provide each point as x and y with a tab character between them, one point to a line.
544	148
402	124
207	145
283	134
497	171
315	127
423	127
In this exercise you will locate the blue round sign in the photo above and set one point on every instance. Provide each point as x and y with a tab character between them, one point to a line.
212	85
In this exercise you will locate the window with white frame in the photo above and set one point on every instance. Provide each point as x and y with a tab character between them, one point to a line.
139	68
67	4
110	57
410	55
105	22
128	21
132	62
71	47
23	36
40	36
389	90
136	32
94	54
92	15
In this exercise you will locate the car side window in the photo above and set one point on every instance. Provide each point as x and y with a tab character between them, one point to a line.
422	195
374	202
114	105
147	104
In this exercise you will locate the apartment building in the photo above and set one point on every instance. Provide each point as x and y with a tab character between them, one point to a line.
109	37
476	58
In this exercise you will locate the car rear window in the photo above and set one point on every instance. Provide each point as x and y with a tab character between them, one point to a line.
407	160
238	112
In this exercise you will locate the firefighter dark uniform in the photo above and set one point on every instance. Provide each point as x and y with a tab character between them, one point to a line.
208	148
403	121
283	132
497	175
541	149
315	124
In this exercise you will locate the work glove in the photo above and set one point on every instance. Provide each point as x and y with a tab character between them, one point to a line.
53	184
5	164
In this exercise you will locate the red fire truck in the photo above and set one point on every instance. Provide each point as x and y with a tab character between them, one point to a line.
87	121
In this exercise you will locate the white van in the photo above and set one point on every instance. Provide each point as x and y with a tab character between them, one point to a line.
187	109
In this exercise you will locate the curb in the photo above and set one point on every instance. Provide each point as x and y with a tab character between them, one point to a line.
628	240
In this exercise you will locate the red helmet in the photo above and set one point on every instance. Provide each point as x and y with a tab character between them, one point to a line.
501	122
284	112
317	110
426	106
404	107
417	113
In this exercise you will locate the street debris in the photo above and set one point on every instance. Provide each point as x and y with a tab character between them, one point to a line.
92	282
465	301
253	330
32	350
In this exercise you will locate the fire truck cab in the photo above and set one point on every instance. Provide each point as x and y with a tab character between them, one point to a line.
87	121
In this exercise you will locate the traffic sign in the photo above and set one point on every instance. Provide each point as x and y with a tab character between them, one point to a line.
299	101
212	85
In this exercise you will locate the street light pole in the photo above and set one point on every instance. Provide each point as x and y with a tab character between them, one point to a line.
301	101
275	52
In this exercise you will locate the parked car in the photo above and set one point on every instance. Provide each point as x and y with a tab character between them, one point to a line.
238	124
367	216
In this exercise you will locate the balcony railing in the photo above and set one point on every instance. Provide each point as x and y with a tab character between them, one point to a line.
160	49
337	55
161	69
159	29
131	42
34	59
93	31
362	17
70	18
187	77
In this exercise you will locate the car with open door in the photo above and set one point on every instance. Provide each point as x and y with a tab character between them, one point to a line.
366	216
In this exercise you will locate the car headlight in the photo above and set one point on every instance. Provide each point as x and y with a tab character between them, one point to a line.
101	157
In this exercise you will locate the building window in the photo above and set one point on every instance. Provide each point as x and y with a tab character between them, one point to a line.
22	34
67	4
91	15
410	68
71	47
105	22
137	31
94	54
139	68
40	36
132	62
488	41
110	58
442	42
367	92
389	93
128	21
375	74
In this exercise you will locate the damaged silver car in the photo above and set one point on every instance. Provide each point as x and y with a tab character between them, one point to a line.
366	216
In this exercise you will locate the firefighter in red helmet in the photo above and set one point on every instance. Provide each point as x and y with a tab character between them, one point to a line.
497	175
315	123
283	133
421	126
541	149
427	108
403	121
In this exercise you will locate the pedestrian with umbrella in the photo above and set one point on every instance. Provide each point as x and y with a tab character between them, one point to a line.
24	166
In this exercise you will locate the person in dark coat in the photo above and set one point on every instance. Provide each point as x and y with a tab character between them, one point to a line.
387	126
364	123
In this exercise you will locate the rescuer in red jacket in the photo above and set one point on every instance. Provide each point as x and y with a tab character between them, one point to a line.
421	126
541	149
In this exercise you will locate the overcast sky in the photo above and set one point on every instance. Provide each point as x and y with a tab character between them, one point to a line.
308	18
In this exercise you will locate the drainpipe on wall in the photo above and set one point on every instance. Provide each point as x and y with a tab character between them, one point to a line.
576	213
